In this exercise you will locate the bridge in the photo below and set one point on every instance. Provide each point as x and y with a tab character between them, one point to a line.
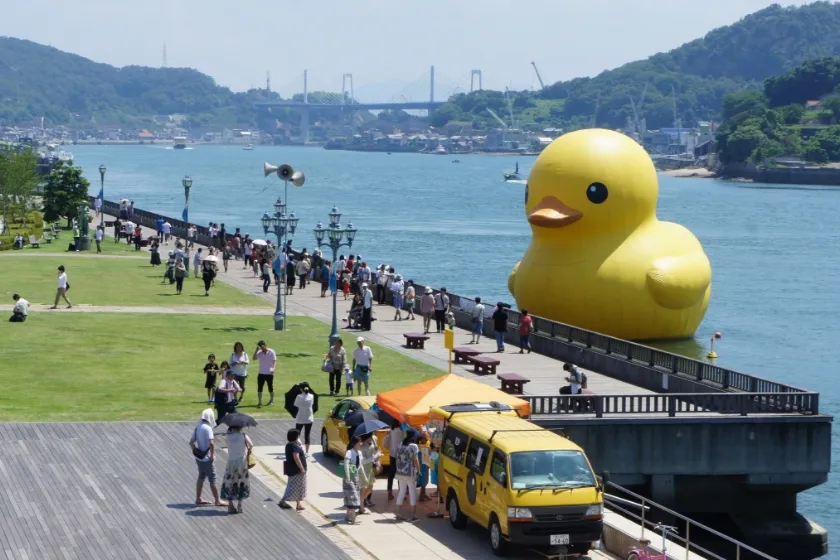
418	95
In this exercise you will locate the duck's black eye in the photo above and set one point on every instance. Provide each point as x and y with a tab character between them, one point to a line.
526	193
597	193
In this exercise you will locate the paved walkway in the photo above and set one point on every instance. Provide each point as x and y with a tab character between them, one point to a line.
185	309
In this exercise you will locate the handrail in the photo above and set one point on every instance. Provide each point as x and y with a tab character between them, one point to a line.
673	404
659	360
645	504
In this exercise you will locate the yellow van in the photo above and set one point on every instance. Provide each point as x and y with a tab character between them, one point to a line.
527	485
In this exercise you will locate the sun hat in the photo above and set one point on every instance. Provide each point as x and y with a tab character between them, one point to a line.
428	290
360	339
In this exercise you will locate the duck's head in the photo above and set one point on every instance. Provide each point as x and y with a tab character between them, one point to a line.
591	182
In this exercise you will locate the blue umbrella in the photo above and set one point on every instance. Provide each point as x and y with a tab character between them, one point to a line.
368	427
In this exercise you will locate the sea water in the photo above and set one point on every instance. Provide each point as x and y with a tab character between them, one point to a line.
774	249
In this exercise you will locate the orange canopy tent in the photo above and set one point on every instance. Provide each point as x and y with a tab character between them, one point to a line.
411	404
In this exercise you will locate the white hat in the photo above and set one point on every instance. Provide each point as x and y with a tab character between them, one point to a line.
360	339
364	284
428	290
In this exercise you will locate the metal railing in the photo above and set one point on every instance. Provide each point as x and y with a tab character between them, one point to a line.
674	403
666	362
692	529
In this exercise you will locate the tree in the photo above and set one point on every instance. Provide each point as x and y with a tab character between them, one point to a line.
742	143
18	179
833	104
752	102
813	152
65	191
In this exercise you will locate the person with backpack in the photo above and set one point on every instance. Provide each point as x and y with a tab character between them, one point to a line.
203	450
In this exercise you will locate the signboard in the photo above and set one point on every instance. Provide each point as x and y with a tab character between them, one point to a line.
449	339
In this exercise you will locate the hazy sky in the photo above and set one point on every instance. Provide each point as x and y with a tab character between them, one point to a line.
384	44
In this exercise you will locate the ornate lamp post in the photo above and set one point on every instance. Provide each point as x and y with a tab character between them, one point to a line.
187	182
281	225
336	238
102	196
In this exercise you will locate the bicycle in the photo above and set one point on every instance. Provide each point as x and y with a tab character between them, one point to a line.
645	553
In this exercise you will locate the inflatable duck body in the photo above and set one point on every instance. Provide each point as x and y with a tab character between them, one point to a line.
599	258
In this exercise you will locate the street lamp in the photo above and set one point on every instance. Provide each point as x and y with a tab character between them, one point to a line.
187	182
336	238
102	196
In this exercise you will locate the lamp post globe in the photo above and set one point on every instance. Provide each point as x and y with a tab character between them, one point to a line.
102	170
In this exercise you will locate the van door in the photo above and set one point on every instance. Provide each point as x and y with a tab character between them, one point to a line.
496	489
478	455
451	470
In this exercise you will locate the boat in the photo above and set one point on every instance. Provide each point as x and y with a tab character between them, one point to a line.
439	151
456	161
513	175
179	143
248	147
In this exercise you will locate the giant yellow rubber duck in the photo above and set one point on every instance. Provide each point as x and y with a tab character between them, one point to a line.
599	258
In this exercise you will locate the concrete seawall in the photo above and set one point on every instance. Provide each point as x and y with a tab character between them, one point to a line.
783	175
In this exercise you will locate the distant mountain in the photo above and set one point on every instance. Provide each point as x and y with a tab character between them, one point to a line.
767	43
36	80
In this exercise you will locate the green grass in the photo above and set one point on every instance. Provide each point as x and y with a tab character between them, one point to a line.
104	281
109	366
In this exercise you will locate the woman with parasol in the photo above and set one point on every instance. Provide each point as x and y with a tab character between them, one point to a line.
236	484
354	479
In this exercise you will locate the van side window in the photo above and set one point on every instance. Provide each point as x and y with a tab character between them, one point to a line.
498	468
477	457
454	444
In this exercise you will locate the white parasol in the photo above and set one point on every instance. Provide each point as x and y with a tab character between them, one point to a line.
211	258
259	242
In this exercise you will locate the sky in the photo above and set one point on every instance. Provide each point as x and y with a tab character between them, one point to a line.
386	45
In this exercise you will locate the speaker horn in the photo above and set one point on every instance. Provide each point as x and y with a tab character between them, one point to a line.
268	169
285	172
298	178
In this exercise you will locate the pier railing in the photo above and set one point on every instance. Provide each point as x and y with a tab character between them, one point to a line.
656	370
673	404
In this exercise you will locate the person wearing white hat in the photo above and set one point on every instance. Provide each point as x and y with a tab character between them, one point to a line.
362	365
203	450
367	307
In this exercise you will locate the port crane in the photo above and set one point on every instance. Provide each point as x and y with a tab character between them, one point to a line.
637	110
539	78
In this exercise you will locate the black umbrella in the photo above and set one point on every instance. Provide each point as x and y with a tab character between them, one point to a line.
368	427
291	395
385	417
359	416
239	420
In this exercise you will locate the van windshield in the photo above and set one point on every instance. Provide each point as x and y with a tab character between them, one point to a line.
550	469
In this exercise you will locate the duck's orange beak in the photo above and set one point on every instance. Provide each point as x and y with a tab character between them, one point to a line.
551	213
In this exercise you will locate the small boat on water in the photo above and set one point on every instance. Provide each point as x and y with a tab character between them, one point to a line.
248	147
440	151
179	143
456	161
513	175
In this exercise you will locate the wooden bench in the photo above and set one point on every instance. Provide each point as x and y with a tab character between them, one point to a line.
484	365
513	383
464	353
34	242
415	340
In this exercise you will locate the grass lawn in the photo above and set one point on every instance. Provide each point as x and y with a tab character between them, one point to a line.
104	281
109	366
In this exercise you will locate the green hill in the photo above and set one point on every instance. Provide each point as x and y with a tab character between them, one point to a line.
701	72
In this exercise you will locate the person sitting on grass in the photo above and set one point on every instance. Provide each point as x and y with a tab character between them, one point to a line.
20	311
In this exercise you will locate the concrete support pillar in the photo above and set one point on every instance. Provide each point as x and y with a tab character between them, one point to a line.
304	125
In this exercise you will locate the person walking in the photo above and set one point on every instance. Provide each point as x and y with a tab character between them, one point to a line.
353	479
192	233
226	255
267	359
337	358
154	259
362	365
367	307
305	404
500	319
100	233
180	272
427	309
370	463
208	273
325	278
266	275
290	276
408	470
97	206
239	366
397	296
196	262
441	308
237	484
204	450
20	311
526	327
392	443
410	296
294	467
167	232
63	286
477	321
159	229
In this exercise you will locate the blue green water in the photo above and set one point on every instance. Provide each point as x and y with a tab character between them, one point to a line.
775	249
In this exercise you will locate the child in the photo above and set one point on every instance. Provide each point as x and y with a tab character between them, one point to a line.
433	457
211	369
450	319
348	380
425	459
345	286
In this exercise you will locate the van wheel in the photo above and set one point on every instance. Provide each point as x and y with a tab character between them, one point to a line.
456	516
325	443
497	541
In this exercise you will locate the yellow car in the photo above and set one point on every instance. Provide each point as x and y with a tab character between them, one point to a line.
334	434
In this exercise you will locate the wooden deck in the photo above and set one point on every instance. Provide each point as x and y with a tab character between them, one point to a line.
126	490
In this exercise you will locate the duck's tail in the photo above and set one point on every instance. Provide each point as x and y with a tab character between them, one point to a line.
512	280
